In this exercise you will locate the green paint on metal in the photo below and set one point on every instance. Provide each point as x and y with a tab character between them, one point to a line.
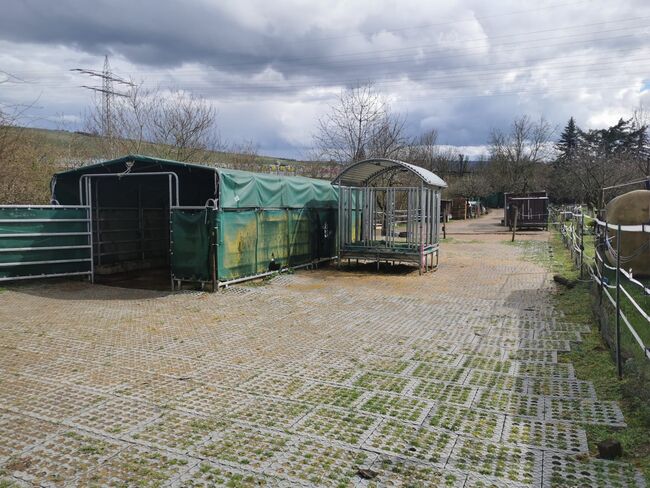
191	243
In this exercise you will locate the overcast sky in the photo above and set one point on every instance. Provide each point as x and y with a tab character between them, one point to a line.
272	67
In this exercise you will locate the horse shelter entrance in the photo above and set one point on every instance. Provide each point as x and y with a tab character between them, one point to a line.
130	215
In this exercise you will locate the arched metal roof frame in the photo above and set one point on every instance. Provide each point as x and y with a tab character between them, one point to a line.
362	173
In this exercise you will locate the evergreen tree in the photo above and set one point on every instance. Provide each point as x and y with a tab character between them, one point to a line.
567	146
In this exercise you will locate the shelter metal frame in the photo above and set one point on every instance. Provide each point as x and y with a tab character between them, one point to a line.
86	199
388	223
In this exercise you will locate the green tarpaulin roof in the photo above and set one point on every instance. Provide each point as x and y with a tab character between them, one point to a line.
237	189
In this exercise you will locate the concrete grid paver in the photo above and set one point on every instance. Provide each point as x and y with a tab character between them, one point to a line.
319	378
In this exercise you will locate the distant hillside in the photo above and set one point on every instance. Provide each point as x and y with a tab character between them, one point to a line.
66	149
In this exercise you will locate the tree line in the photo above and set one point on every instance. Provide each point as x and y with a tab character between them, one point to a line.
359	124
523	158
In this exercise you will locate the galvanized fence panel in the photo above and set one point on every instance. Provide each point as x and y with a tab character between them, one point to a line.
614	282
45	241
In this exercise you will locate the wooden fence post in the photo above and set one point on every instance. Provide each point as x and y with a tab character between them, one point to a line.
514	226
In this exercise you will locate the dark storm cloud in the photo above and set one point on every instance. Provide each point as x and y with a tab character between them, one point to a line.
271	68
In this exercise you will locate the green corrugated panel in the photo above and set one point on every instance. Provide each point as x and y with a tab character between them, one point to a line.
191	244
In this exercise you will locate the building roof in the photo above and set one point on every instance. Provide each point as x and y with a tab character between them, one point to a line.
364	172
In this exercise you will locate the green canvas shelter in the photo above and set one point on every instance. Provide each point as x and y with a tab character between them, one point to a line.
204	224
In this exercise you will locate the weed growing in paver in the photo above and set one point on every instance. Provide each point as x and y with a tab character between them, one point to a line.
245	445
377	381
512	463
177	430
268	384
135	467
438	372
443	392
419	443
556	435
62	458
579	471
559	371
533	355
488	364
210	475
395	472
341	425
587	411
276	413
465	420
384	365
330	395
404	408
562	388
321	464
499	381
434	357
512	403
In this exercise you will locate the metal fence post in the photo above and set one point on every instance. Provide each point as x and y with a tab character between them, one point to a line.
619	363
603	237
582	241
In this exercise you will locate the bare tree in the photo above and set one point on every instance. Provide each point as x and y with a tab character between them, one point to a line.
422	150
25	170
516	156
357	124
183	123
388	139
170	124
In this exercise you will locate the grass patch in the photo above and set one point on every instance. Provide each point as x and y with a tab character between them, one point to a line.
592	360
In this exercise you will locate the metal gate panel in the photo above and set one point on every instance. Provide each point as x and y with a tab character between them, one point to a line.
44	241
191	244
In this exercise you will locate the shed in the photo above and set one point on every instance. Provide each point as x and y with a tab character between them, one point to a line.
459	208
385	222
199	223
532	209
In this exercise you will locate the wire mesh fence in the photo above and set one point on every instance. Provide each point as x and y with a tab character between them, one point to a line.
621	299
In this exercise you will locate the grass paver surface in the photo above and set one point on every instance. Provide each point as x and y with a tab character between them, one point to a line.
326	378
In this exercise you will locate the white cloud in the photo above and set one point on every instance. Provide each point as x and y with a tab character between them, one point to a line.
271	68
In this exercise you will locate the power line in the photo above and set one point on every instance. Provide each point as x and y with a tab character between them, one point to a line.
450	73
371	55
471	73
451	22
107	93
